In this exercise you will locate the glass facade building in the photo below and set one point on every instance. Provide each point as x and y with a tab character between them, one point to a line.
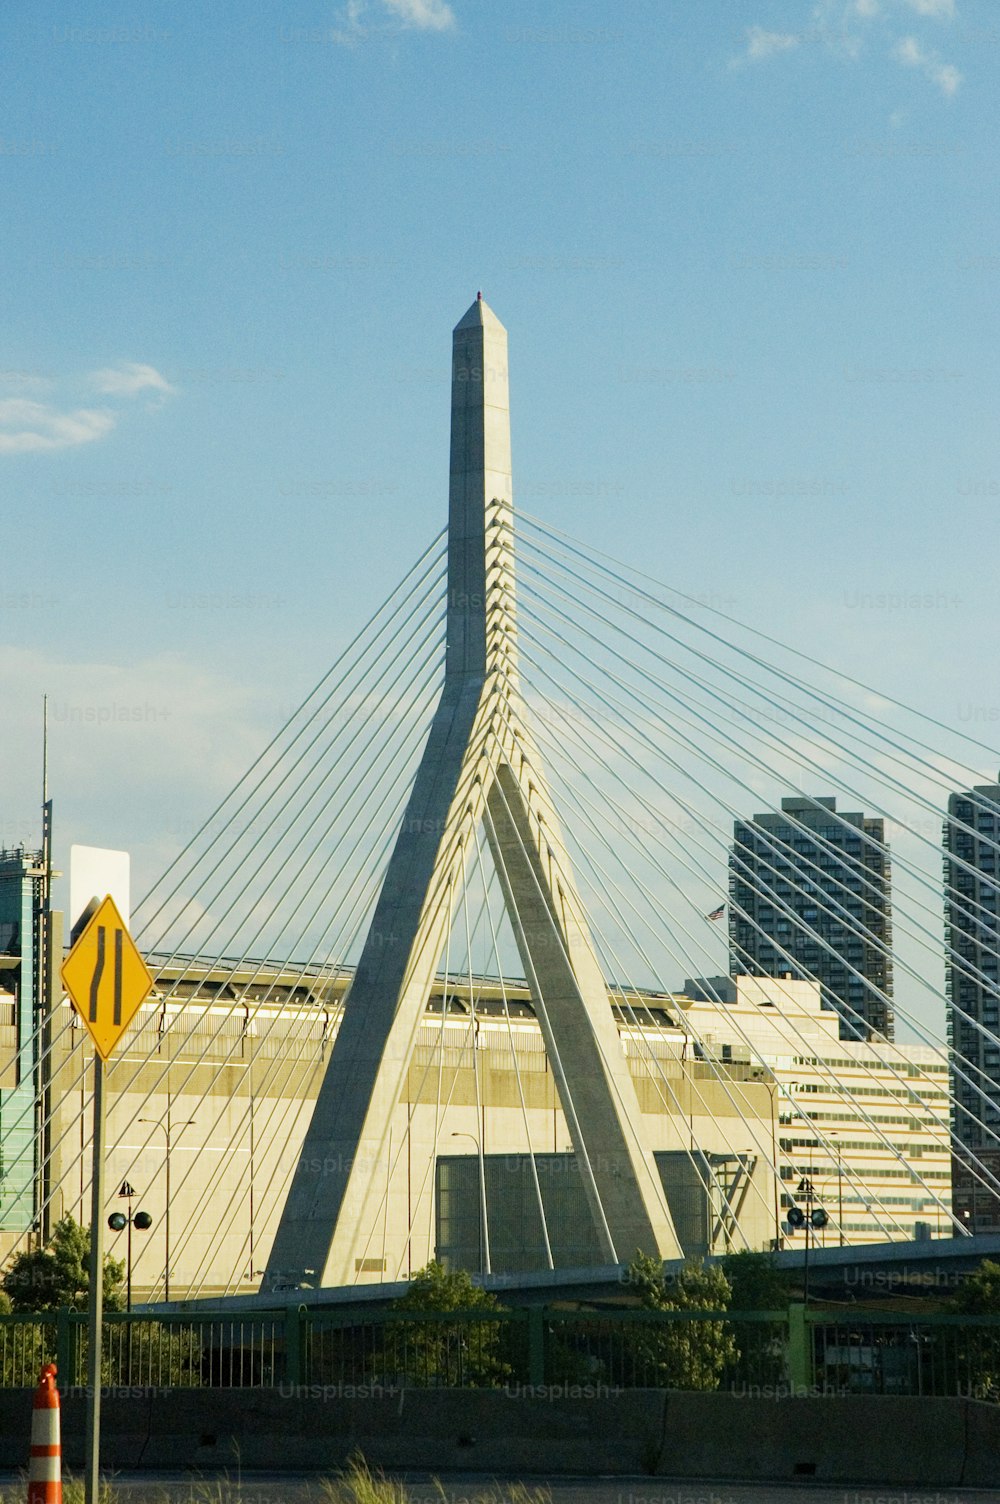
810	897
972	953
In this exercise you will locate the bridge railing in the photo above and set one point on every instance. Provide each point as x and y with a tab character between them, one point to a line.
641	1349
800	1351
26	1342
394	1350
881	1353
173	1351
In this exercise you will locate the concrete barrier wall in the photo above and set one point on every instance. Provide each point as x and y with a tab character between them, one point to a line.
855	1439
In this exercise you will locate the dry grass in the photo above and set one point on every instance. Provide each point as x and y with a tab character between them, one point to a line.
357	1484
72	1491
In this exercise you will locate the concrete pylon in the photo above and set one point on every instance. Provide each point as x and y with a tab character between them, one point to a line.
480	766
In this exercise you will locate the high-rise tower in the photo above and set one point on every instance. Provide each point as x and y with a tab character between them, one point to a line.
972	959
810	897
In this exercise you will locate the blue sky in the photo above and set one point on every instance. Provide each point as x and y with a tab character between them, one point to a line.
748	253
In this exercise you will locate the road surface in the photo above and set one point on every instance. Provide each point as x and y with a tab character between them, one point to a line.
285	1488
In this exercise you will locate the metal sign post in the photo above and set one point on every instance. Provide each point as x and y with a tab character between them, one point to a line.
107	980
95	1302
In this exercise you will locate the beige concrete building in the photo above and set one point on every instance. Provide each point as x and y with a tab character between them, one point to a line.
213	1089
866	1123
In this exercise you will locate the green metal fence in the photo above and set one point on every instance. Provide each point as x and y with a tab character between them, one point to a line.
800	1351
395	1350
885	1354
26	1342
170	1352
640	1349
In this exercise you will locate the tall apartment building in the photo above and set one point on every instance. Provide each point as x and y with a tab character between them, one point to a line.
972	940
809	893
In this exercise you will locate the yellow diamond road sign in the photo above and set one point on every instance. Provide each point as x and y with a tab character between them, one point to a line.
106	978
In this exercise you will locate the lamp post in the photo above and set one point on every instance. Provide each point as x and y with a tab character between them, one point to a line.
156	1123
834	1134
117	1221
484	1227
812	1220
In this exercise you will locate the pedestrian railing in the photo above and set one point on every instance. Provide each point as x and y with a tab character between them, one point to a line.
170	1352
925	1355
798	1352
396	1349
26	1342
644	1349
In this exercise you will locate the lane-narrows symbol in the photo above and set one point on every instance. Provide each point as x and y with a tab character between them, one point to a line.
95	981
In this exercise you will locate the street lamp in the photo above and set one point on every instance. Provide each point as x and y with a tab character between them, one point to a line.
120	1220
812	1220
829	1133
484	1227
156	1123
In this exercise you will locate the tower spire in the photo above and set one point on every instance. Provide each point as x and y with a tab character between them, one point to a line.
479	765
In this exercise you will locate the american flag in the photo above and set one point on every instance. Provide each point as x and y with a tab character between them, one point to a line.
717	913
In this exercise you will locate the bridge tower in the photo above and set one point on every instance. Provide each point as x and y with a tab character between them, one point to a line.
480	767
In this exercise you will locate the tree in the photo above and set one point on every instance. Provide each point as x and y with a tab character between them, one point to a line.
434	1288
685	1353
442	1352
968	1359
979	1292
695	1288
758	1285
59	1274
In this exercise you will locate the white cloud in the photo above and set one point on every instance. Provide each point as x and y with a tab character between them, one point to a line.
426	15
761	43
910	53
27	426
25	381
947	77
940	10
413	15
351	29
128	379
842	28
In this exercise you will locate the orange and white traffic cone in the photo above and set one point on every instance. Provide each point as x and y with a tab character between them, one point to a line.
45	1468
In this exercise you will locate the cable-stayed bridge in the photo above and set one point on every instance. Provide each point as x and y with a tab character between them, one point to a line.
479	860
